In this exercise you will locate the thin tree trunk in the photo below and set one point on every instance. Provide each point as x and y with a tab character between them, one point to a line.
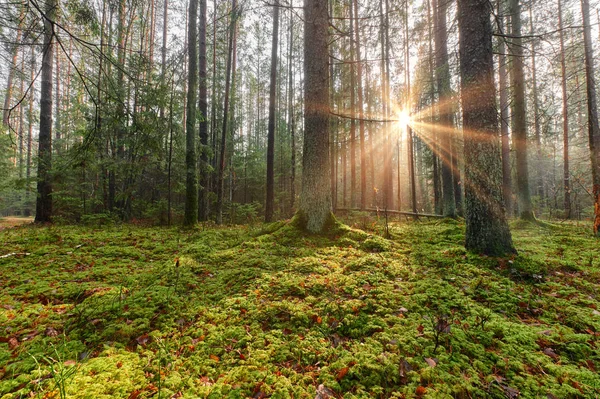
504	116
270	204
409	131
11	72
291	120
163	52
352	110
536	115
221	182
565	107
30	135
57	112
361	113
519	113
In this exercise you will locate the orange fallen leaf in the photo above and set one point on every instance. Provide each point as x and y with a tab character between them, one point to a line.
215	358
342	373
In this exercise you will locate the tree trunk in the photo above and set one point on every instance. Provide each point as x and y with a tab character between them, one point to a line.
539	189
504	116
203	105
436	149
487	228
315	202
593	127
43	212
361	114
410	148
291	116
565	107
270	204
221	182
519	113
30	134
11	73
191	180
353	105
442	68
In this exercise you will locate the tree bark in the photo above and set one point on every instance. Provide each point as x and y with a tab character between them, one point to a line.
487	228
504	116
191	180
43	211
519	113
442	68
565	108
221	182
361	113
539	189
592	106
203	107
270	204
11	73
314	213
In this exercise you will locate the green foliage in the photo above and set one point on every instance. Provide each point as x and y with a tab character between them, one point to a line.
127	311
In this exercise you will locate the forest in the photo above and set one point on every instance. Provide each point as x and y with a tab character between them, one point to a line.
299	199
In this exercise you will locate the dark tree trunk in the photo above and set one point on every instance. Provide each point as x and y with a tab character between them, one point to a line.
43	211
593	127
203	106
191	180
442	68
315	201
487	228
270	204
434	130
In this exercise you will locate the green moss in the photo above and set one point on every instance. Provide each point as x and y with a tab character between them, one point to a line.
232	312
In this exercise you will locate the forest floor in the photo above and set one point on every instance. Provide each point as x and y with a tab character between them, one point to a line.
267	311
13	221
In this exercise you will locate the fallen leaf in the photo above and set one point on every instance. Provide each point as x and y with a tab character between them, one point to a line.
431	362
550	352
342	373
143	339
215	358
134	394
421	391
13	343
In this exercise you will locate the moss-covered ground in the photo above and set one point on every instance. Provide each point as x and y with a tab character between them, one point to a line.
269	312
